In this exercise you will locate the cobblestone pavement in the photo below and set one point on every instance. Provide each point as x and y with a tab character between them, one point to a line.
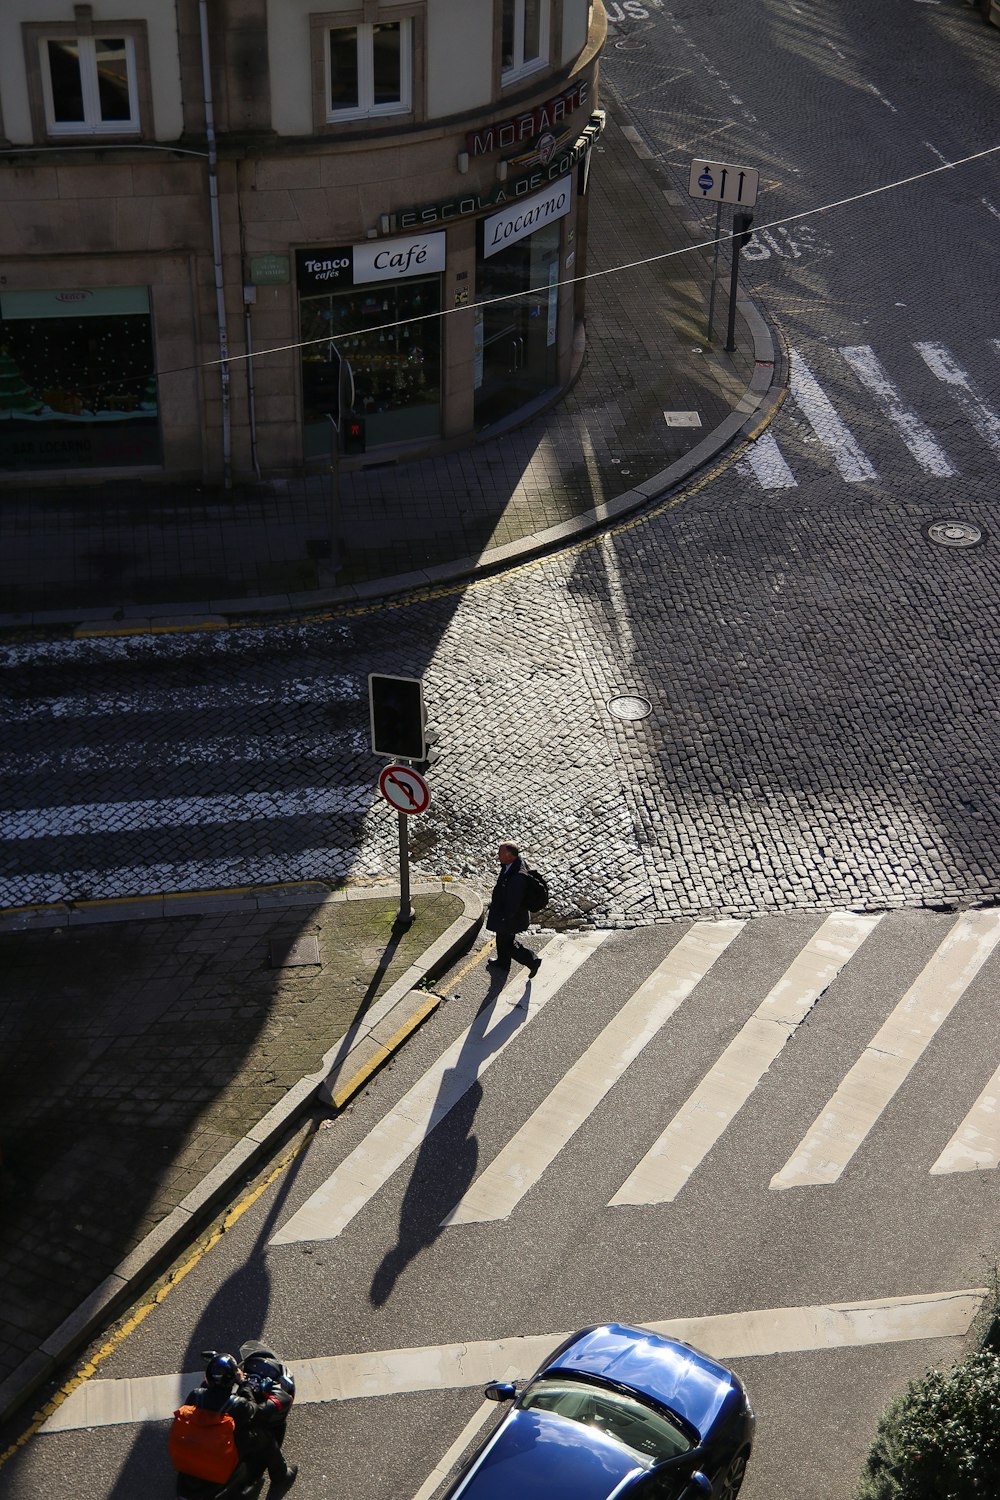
821	673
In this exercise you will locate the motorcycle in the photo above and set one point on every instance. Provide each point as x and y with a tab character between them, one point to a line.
273	1386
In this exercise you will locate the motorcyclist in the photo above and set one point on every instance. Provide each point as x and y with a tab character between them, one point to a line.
225	1389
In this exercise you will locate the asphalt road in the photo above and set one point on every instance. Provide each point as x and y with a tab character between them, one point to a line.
373	1268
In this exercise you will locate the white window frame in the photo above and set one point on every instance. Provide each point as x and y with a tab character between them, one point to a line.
367	108
521	66
91	124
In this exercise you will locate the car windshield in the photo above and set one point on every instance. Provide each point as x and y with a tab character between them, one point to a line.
650	1433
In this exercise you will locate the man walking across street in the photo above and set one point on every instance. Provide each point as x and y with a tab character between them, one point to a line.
509	914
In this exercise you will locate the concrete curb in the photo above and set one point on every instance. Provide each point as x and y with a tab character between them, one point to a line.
345	1069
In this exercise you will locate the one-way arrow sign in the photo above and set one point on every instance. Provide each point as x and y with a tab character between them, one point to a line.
722	182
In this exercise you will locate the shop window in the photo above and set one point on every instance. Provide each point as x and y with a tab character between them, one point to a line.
87	79
396	362
77	379
369	70
524	37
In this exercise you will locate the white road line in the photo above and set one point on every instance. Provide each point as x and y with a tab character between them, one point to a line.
765	461
181	812
882	1068
817	408
186	700
577	1094
436	1367
346	1191
975	1146
468	1434
915	433
701	1120
218	750
983	418
322	863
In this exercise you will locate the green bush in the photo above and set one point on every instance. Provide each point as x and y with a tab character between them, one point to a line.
941	1440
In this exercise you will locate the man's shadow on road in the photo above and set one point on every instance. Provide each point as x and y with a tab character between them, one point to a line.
449	1154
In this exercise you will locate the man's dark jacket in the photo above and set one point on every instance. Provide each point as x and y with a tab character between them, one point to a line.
508	905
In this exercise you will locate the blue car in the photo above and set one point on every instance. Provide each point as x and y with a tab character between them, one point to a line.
616	1413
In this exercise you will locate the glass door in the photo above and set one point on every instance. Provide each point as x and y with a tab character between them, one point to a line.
516	336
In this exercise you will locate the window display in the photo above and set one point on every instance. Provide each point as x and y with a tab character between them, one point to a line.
77	381
394	348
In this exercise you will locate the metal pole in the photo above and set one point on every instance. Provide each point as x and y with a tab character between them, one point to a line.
715	269
406	914
734	275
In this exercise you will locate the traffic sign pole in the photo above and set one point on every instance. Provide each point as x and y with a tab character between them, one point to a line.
405	916
715	270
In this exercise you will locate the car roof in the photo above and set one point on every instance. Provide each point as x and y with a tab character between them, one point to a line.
537	1455
664	1370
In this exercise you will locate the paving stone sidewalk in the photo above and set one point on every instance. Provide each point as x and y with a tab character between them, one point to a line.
76	552
137	1052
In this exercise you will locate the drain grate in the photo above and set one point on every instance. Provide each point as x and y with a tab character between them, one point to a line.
955	534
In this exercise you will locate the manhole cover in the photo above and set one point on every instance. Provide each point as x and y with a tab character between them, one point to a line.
629	707
955	534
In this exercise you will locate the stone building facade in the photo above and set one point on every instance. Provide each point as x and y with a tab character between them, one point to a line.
224	223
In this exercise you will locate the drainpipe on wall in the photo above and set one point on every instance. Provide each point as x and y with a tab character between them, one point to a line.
213	198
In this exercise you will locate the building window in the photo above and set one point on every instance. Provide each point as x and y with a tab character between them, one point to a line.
89	85
524	37
369	70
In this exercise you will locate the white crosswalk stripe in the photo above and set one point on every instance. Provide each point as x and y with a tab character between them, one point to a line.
883	1067
983	418
699	1123
242	695
915	434
764	460
519	1166
179	812
333	1205
975	1146
834	434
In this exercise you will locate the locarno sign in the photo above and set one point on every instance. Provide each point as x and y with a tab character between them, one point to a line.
523	218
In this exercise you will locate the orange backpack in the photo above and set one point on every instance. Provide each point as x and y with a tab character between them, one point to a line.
203	1444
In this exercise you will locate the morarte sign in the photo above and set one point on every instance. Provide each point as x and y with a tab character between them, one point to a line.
505	192
507	133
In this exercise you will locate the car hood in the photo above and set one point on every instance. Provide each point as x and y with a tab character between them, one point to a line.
671	1373
536	1455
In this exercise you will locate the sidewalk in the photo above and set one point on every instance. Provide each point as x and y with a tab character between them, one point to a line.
137	552
152	1054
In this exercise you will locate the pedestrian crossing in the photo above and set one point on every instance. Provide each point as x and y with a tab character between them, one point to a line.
671	1162
951	390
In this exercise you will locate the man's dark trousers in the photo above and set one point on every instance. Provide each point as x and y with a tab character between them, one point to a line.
508	947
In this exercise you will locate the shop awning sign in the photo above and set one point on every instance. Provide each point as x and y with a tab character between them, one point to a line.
392	260
522	218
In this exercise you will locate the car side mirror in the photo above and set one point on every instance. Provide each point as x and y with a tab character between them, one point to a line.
500	1390
700	1484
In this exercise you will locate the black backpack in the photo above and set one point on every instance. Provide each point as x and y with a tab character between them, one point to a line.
536	894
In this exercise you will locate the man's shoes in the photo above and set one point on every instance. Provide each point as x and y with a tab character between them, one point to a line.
279	1486
534	967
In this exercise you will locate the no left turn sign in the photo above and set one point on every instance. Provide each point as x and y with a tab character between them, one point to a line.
405	789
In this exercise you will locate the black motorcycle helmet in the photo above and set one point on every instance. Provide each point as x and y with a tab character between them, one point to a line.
222	1370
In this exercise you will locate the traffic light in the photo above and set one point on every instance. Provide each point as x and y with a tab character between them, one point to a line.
354	435
432	751
397	716
742	229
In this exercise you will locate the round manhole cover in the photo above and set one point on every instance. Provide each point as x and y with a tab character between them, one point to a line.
955	534
629	706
